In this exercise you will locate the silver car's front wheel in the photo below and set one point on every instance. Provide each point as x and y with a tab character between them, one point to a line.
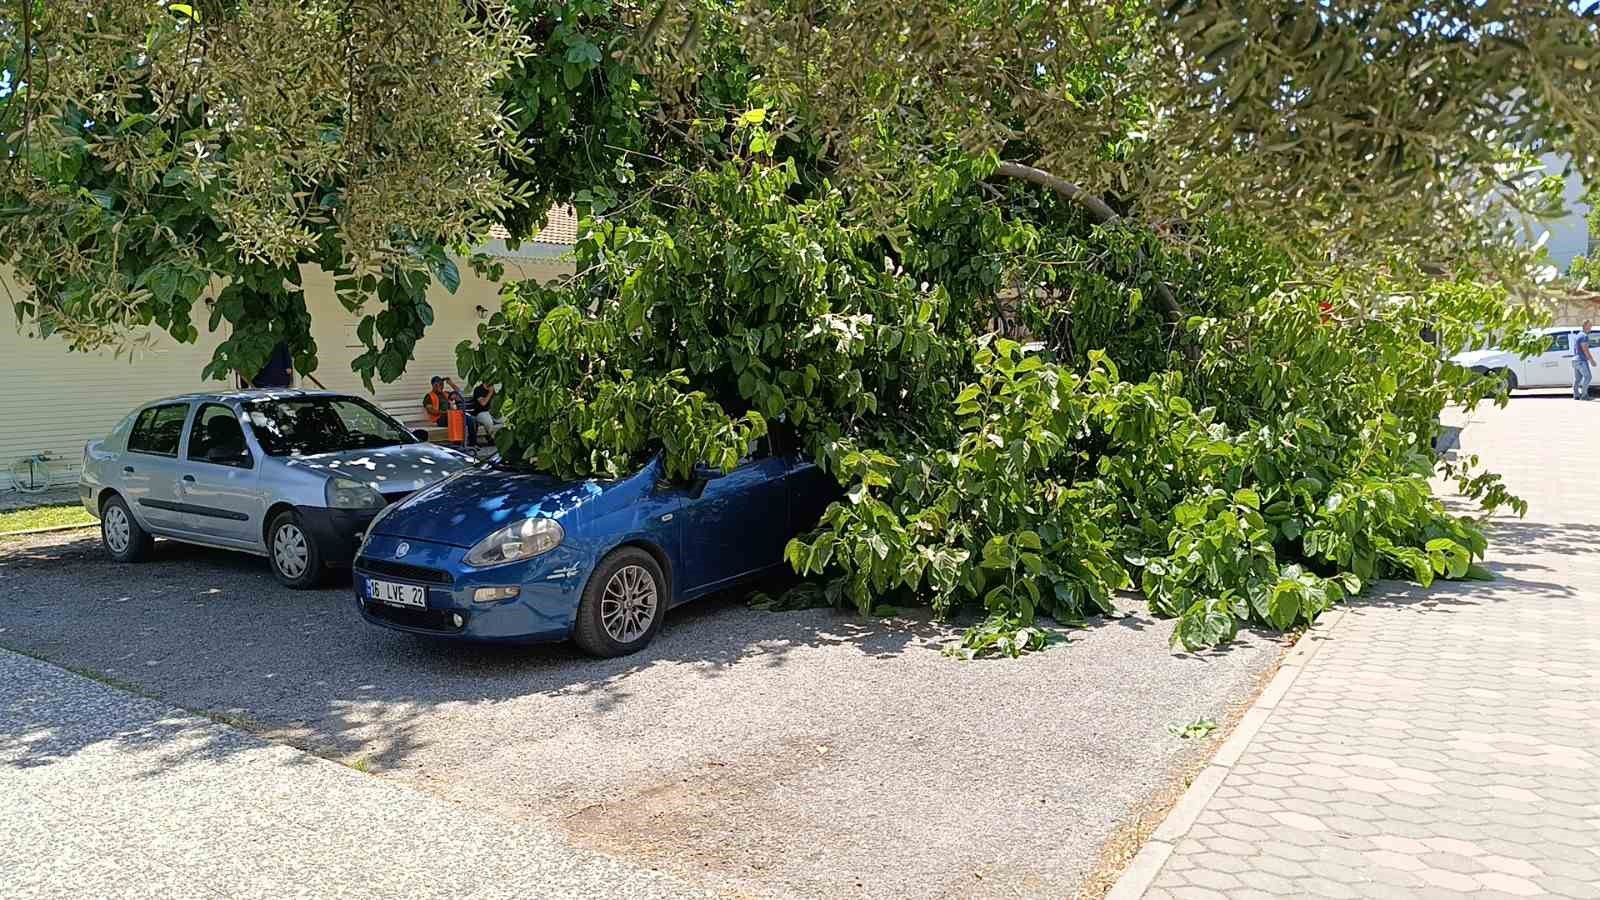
296	560
628	607
289	550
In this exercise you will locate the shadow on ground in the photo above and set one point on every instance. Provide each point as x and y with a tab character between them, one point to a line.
769	753
188	624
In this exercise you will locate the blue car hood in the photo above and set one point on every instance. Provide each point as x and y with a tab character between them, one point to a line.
470	505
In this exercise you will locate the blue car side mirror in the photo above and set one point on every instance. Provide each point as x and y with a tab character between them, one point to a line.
706	472
701	475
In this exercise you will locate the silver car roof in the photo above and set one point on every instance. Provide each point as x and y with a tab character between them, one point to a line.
238	396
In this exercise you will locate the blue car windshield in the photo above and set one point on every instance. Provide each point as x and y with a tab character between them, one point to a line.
302	426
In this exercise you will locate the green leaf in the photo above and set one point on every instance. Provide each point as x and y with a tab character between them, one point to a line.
583	52
448	274
1283	604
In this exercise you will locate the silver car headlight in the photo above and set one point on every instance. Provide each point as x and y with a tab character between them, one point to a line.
347	493
517	541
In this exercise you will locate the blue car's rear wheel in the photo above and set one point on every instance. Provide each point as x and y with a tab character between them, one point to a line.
623	604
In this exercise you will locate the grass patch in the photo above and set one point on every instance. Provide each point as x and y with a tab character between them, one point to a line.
1199	728
45	517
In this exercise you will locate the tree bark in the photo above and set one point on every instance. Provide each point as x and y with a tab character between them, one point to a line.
1102	213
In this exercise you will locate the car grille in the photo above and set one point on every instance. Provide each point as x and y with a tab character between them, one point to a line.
406	617
403	570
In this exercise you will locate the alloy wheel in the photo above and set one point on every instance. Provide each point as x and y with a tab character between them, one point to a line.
629	604
289	550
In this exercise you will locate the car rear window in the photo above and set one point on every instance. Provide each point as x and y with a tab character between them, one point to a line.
159	429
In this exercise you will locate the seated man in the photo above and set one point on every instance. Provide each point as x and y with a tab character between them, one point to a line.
479	409
437	404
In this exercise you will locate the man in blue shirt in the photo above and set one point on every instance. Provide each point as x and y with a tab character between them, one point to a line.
1582	360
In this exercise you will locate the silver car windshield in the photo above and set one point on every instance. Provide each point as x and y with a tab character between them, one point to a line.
303	426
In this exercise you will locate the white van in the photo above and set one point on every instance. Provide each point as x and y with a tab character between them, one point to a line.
1548	369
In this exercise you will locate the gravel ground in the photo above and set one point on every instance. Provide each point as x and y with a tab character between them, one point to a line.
106	794
809	754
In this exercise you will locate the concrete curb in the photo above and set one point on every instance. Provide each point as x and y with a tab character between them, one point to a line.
1146	865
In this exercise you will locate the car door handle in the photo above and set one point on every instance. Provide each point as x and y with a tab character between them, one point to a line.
189	478
128	469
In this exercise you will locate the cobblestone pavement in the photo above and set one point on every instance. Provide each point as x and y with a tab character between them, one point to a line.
107	794
1441	743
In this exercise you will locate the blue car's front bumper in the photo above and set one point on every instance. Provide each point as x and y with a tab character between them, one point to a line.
544	610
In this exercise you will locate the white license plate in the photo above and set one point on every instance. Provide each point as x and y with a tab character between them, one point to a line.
397	594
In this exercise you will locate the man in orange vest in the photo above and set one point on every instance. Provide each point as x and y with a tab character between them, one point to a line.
437	404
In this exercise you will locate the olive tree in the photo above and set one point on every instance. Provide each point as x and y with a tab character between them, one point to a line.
153	150
1356	132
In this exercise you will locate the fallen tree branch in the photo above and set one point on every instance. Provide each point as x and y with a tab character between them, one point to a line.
1102	213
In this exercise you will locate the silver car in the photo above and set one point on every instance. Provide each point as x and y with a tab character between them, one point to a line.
295	476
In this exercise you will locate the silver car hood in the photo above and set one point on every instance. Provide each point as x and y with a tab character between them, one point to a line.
403	467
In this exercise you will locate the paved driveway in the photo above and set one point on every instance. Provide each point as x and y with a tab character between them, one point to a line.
1441	743
771	754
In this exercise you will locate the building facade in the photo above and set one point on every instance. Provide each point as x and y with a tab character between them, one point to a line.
1569	236
58	399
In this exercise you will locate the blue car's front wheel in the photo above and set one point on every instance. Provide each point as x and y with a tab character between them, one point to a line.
623	604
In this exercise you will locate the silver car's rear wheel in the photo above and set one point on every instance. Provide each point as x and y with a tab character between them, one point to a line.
121	533
628	606
117	534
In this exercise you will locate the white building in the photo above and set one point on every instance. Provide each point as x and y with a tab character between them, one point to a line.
1569	236
55	399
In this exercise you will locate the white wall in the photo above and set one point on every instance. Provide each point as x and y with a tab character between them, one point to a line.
455	318
55	400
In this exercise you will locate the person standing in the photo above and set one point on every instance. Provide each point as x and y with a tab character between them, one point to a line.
1582	363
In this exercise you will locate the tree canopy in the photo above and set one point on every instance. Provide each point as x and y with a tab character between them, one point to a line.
1071	298
153	149
1350	131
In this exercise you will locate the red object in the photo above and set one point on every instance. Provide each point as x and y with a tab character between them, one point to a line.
457	426
1326	309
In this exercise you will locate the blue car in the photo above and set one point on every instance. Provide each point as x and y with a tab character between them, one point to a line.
502	553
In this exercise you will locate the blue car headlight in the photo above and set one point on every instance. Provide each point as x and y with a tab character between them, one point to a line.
516	542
